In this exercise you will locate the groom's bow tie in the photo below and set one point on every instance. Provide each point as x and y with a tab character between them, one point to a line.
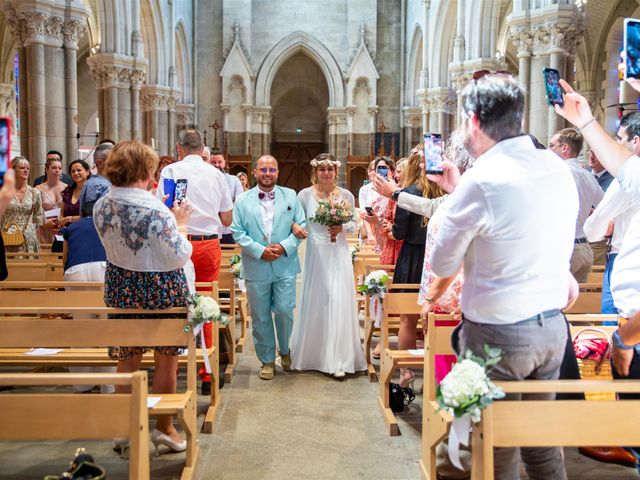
267	195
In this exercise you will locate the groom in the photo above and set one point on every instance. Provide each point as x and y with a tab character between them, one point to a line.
262	220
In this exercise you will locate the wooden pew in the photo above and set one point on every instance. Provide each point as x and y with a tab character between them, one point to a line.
39	256
535	423
34	271
396	303
49	295
56	416
589	300
369	322
90	327
595	277
436	423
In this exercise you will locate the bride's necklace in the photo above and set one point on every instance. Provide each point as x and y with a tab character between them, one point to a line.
323	195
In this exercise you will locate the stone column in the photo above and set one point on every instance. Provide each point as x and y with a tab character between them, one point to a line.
111	111
73	31
172	137
36	91
556	60
137	77
23	106
521	38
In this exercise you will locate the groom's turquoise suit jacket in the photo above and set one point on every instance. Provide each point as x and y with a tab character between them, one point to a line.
248	232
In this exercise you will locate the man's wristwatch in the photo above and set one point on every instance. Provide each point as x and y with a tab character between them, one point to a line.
617	342
395	195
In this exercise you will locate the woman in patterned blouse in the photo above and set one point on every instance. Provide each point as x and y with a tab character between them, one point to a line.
147	251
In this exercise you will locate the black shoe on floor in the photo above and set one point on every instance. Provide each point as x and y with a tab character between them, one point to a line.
205	388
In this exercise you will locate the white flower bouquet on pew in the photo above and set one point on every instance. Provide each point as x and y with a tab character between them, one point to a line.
236	265
353	250
375	287
203	309
464	393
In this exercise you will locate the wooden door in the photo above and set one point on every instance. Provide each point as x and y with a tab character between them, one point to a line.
294	163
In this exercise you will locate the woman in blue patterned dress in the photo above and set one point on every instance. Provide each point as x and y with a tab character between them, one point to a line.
147	251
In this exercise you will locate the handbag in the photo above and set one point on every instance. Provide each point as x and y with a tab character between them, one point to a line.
400	397
12	235
82	467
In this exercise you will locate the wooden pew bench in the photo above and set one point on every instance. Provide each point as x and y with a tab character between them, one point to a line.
60	416
589	300
33	270
49	296
90	326
436	423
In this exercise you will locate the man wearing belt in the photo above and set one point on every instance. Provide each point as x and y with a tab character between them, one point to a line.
209	197
511	220
567	144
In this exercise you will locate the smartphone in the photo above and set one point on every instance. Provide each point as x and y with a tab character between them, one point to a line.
5	146
383	171
181	190
433	153
170	191
369	210
632	48
552	86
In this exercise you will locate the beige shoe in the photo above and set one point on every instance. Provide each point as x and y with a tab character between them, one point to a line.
267	371
285	361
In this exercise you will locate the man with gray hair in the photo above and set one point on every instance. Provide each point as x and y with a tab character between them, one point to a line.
511	221
96	185
235	189
208	195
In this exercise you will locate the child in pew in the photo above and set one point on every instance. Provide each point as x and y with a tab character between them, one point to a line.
85	261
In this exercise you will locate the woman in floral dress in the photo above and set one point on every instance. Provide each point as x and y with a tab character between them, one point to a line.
25	209
147	251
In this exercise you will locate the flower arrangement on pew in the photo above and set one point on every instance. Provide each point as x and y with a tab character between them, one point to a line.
236	265
332	212
375	287
353	250
203	309
464	392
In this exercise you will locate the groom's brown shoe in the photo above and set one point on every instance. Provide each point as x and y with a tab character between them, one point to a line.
285	361
267	371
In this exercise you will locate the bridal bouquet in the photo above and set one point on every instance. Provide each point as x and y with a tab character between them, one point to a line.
332	212
375	286
464	392
236	265
202	309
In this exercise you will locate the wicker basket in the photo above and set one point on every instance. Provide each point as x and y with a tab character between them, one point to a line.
12	235
596	370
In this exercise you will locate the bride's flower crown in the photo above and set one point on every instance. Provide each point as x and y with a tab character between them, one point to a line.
316	163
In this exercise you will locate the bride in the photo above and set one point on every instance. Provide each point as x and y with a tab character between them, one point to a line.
326	336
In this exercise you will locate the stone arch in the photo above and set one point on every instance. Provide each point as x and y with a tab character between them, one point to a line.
414	66
312	47
442	43
152	25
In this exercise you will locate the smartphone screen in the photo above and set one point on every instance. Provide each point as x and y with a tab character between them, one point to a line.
433	153
552	86
181	190
5	146
383	171
632	48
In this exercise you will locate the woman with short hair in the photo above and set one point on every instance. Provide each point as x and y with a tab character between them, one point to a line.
147	251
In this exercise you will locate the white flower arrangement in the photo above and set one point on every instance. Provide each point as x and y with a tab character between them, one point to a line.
466	390
203	309
375	283
236	265
354	249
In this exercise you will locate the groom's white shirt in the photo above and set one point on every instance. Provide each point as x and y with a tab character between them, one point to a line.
267	209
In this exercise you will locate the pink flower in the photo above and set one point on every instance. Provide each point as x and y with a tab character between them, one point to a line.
333	211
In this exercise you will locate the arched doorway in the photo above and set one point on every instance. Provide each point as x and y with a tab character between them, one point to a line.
299	100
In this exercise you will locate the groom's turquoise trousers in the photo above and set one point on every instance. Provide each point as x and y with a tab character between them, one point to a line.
272	301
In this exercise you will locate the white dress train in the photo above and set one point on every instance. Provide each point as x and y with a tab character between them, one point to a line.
326	335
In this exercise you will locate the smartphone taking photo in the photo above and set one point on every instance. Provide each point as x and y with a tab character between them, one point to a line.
433	153
5	146
552	87
383	171
632	48
181	190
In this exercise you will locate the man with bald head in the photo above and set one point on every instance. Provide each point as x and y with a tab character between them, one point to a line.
262	221
235	189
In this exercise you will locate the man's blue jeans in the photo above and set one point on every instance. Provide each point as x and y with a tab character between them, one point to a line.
607	305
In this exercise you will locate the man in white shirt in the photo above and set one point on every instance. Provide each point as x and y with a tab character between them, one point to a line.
235	189
209	198
512	221
567	144
603	177
618	207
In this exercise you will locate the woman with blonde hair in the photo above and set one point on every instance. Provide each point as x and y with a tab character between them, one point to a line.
24	212
326	336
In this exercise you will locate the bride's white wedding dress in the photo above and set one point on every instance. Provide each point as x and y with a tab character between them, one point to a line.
326	336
